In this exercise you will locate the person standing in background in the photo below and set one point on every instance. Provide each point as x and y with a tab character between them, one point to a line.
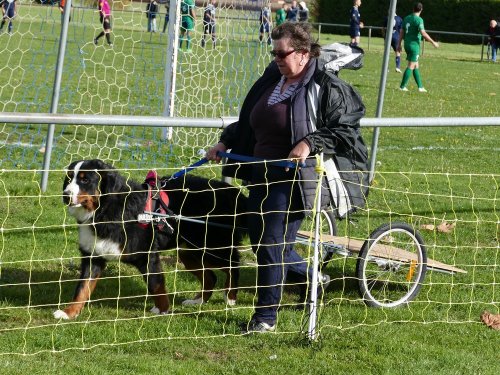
151	12
265	23
411	33
167	15
9	8
105	19
281	14
62	4
355	24
493	33
292	13
303	12
209	22
188	19
396	30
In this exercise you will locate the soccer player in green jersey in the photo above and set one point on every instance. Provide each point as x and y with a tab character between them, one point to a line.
187	23
412	33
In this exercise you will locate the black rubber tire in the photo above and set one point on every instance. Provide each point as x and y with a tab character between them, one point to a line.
386	282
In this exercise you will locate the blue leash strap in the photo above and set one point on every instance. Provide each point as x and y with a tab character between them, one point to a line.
182	172
276	163
244	158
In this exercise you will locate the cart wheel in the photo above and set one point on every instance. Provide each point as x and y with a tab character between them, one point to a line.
328	226
391	265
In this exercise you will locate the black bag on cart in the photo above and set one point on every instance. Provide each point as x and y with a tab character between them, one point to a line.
347	175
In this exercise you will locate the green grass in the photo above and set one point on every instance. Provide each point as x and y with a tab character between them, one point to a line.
423	176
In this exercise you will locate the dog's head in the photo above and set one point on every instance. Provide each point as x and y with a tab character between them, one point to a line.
86	181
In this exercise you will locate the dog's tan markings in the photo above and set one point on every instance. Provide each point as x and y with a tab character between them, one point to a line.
231	289
73	310
89	201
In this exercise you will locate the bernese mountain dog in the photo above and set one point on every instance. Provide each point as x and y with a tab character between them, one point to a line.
204	218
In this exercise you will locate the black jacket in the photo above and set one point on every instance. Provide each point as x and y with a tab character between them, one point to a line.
494	34
151	9
325	112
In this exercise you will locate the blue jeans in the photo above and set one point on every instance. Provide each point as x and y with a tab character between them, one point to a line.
151	23
494	48
275	215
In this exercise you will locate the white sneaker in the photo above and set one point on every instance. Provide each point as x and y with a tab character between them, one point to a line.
403	89
398	70
254	326
421	89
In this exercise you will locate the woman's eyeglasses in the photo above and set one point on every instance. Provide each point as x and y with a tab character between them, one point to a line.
281	54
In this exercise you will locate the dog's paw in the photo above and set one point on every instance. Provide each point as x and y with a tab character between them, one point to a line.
59	314
229	301
197	301
155	310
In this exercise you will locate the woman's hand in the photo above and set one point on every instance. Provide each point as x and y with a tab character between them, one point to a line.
300	152
212	153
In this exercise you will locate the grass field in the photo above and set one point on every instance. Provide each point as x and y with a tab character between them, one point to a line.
423	176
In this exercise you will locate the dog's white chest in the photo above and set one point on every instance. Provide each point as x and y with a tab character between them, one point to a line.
95	246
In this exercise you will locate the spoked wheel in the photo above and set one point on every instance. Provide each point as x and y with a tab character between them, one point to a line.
328	223
391	265
328	226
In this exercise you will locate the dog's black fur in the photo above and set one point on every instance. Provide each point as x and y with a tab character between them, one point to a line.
106	206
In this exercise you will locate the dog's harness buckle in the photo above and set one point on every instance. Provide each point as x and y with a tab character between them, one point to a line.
156	202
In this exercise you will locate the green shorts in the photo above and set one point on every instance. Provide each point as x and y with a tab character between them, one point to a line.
412	51
187	23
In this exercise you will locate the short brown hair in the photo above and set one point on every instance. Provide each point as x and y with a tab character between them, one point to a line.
300	37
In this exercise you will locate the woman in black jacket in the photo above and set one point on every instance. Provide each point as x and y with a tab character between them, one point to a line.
295	110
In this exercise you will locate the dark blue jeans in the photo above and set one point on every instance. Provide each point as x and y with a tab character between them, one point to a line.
275	216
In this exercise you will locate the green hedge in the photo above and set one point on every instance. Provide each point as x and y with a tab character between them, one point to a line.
466	16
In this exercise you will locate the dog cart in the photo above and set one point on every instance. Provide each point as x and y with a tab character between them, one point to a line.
391	263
